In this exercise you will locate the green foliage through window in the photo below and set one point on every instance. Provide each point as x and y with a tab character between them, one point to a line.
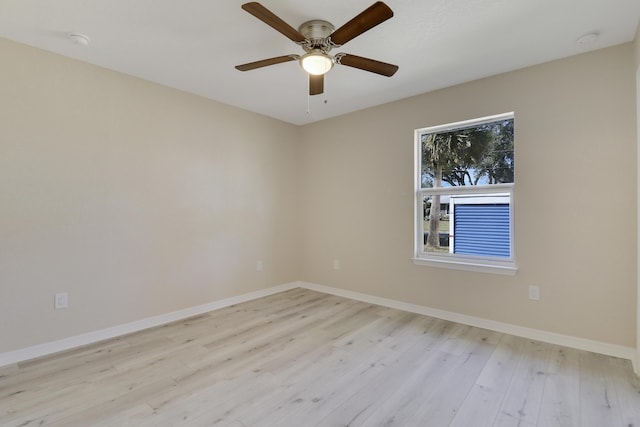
477	155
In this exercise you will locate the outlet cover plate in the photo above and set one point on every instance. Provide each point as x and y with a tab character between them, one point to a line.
61	300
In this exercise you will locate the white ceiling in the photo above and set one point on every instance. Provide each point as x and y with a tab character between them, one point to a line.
193	45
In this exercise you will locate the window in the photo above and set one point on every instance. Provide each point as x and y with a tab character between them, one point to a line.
464	195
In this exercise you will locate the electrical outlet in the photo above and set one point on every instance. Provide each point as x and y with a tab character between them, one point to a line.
534	293
336	264
259	266
61	300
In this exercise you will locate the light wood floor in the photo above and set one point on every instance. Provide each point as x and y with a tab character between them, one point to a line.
302	358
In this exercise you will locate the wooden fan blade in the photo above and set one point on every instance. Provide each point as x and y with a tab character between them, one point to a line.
367	64
369	18
266	62
316	84
269	18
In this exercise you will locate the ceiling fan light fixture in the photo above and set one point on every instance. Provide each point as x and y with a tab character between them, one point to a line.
317	38
316	62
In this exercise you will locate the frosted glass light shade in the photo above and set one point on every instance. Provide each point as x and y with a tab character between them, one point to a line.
316	63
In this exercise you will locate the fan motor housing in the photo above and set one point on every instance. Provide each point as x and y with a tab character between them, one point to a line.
316	30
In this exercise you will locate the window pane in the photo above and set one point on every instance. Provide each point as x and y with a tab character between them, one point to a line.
436	215
475	155
473	224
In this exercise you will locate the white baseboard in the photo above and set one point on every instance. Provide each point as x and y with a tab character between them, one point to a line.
150	322
104	334
535	334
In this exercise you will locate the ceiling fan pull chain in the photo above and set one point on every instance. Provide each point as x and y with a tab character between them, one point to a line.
324	92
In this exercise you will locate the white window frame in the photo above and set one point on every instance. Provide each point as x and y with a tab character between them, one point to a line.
483	264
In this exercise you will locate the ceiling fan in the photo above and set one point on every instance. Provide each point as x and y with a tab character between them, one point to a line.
317	38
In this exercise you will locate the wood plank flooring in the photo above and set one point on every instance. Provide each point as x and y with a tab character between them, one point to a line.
303	358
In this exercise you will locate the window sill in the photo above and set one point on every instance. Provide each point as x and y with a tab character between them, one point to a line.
504	268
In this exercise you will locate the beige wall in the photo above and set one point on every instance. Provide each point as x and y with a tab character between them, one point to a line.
136	199
575	200
637	57
637	46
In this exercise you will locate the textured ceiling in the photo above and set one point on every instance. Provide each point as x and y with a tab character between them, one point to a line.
193	45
